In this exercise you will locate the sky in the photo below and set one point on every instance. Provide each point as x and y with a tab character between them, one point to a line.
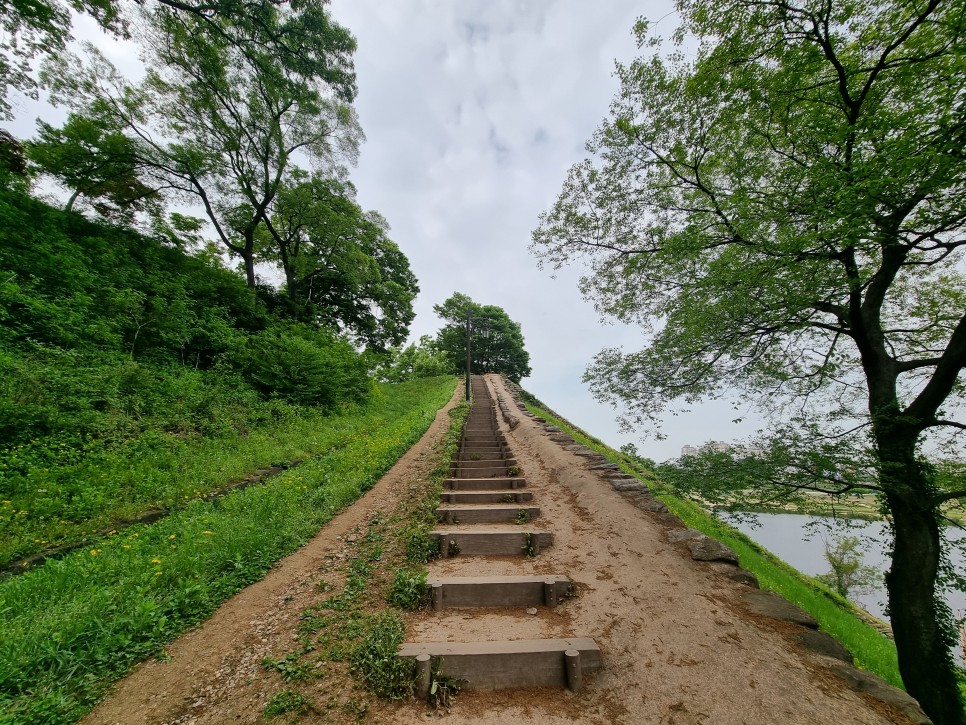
473	112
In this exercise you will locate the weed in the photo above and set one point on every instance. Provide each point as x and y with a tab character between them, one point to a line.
420	546
453	548
513	471
508	498
443	690
286	701
374	657
409	589
522	516
528	545
290	667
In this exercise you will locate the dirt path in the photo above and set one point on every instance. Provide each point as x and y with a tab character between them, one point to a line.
678	644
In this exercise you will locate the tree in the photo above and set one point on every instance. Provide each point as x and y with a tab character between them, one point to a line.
93	160
848	574
241	118
783	211
341	268
299	36
417	360
496	341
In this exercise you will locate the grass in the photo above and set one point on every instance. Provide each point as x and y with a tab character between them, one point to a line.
71	626
872	651
47	500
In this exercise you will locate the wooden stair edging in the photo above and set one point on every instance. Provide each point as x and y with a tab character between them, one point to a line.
517	542
499	591
499	665
483	484
491	496
486	513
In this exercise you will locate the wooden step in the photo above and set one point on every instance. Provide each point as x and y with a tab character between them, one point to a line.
486	514
484	484
499	591
483	445
480	471
496	665
486	463
491	542
503	496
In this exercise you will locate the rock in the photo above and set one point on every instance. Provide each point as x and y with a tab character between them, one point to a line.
531	610
651	504
735	573
769	604
605	467
824	644
675	537
863	681
629	486
671	519
708	549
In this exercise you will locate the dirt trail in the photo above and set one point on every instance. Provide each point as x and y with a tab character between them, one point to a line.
678	644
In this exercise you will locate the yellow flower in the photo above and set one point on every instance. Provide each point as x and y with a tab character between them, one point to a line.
172	536
157	573
95	552
208	533
155	560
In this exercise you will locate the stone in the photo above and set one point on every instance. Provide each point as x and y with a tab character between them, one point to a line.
652	505
863	681
708	549
769	604
605	467
824	644
676	537
629	486
735	573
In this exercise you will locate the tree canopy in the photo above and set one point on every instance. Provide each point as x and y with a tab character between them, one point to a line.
783	211
496	341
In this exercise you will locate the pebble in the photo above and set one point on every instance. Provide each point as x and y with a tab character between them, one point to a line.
531	610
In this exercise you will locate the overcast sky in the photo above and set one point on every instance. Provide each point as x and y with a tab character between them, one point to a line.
473	113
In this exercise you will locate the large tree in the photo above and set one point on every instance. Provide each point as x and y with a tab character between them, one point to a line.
218	124
496	341
298	35
341	268
783	209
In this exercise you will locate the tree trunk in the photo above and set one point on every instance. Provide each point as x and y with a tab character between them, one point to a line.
920	619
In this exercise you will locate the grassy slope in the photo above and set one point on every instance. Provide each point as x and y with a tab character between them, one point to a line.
72	626
871	649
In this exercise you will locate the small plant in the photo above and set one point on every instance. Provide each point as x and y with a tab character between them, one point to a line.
528	547
374	658
286	701
289	667
443	690
453	548
522	516
409	590
420	546
508	498
513	471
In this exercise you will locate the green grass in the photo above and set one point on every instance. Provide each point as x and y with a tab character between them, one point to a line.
46	501
873	651
71	626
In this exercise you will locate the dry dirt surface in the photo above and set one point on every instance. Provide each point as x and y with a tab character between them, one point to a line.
678	644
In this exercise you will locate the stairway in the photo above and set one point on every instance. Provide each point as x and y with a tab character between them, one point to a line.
485	511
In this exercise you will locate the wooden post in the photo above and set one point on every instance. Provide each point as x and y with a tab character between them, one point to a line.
575	677
424	667
550	592
437	592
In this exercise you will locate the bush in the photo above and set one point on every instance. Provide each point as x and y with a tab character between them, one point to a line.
305	366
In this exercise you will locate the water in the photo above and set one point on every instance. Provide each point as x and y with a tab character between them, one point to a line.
800	540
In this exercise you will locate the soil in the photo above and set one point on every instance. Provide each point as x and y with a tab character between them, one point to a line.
678	644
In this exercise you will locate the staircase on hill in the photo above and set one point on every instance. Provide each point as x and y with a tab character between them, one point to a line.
485	512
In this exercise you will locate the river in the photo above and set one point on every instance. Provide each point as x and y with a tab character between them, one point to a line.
800	540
